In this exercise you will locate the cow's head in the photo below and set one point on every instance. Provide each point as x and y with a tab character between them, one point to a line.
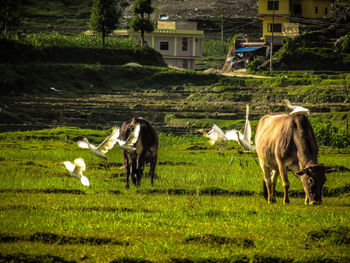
313	178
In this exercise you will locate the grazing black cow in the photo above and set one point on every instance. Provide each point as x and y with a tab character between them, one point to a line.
287	143
146	150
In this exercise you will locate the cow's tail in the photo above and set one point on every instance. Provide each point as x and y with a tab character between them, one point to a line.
265	190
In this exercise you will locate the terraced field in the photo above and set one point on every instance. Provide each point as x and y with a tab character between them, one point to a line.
181	108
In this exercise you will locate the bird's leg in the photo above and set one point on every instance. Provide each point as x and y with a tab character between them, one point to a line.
106	166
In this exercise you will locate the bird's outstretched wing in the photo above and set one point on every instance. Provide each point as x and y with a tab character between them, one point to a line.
129	144
247	131
76	170
134	136
246	145
110	141
216	134
69	166
84	180
83	144
79	166
231	135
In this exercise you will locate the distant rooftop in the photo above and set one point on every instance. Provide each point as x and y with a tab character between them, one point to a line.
169	27
175	25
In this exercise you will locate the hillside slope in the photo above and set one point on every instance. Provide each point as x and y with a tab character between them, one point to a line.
100	96
73	16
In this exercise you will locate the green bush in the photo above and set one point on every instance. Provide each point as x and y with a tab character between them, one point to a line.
55	39
328	135
253	66
83	49
215	48
346	43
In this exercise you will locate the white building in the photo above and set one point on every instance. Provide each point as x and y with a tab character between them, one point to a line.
180	43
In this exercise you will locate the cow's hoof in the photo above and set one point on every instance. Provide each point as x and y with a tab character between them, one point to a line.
273	201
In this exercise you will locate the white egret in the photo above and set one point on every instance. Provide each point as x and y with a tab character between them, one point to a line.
76	169
216	134
296	109
101	150
245	139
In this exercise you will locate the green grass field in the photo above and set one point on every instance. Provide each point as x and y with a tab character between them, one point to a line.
204	206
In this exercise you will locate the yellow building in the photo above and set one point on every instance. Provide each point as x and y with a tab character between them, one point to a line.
280	18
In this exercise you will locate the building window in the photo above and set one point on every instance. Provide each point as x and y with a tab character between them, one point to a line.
326	11
276	28
184	44
272	5
316	9
164	46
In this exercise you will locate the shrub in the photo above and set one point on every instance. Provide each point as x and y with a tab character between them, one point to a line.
328	135
253	66
215	48
346	43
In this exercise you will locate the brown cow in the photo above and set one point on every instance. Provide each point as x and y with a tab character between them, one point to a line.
146	150
287	143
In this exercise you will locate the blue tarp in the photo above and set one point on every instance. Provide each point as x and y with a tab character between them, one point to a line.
246	49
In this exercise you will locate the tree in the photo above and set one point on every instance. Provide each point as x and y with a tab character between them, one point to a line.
140	22
10	15
104	17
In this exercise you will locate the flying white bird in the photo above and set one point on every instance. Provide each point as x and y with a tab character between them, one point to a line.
296	109
101	150
76	170
216	134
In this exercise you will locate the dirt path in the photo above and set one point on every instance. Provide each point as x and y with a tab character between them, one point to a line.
242	73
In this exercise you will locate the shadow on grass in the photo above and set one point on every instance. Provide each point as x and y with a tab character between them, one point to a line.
43	191
213	191
220	240
21	257
337	168
15	207
339	236
175	163
256	259
51	238
130	260
206	191
110	209
82	209
326	192
234	259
